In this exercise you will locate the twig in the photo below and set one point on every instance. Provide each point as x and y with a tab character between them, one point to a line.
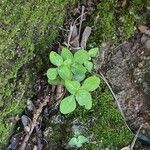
79	17
70	34
130	147
72	26
34	122
135	137
81	20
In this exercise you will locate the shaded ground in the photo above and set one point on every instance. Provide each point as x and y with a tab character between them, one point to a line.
111	22
127	69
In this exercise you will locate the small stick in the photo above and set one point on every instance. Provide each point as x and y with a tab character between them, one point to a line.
135	137
34	122
81	20
70	34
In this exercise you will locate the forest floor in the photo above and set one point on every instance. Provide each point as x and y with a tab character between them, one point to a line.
41	126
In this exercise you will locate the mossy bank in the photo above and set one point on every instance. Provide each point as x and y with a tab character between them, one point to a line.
27	30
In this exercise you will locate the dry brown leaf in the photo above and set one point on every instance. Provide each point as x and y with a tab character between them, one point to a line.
26	121
142	28
30	105
73	37
124	3
35	147
85	37
148	8
33	123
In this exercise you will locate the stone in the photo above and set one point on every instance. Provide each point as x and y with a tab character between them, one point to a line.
128	72
28	30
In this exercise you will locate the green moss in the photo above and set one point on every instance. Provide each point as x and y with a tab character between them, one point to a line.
109	129
27	30
104	28
113	23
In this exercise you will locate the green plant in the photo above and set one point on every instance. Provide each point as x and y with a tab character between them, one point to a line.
71	71
78	140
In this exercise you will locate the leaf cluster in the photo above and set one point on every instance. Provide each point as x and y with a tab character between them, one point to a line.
70	71
78	141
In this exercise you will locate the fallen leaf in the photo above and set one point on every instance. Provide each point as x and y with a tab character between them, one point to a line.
35	147
142	28
148	8
26	121
30	105
74	40
85	37
124	3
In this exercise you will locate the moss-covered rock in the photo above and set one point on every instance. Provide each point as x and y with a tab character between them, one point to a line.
115	22
104	125
112	22
27	29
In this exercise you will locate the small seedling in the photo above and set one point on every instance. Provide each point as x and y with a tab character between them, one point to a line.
79	93
78	141
70	71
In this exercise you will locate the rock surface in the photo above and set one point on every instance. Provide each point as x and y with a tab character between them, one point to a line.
127	69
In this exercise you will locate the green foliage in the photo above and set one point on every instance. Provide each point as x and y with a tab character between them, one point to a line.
77	68
68	104
88	65
78	141
81	56
66	54
84	98
71	70
72	86
52	73
64	72
92	52
91	83
55	59
69	66
79	77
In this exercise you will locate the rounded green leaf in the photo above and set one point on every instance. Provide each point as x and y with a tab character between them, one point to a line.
91	83
79	77
77	68
55	58
78	144
72	86
88	65
55	81
73	142
67	62
52	73
80	56
82	139
67	105
65	73
93	52
84	98
66	54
